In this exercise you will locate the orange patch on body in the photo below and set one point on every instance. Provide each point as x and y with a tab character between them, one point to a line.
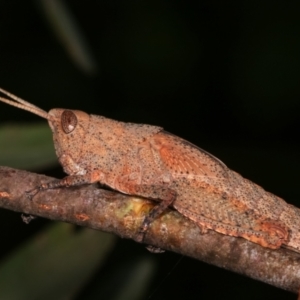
276	229
96	176
239	204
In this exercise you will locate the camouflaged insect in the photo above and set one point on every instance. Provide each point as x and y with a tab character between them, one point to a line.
146	161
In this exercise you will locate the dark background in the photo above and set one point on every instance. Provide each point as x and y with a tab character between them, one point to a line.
223	75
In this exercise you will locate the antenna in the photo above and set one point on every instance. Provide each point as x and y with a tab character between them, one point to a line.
22	104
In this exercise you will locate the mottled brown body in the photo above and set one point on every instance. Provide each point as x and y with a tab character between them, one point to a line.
146	161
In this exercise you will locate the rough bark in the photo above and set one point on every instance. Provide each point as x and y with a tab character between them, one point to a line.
109	211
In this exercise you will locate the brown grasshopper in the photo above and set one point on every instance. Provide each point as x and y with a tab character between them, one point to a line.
144	160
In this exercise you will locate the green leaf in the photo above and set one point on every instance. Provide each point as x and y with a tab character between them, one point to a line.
56	264
26	146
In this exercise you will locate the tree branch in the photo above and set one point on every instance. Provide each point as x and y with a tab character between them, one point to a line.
113	212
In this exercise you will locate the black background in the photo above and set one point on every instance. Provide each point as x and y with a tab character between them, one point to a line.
222	75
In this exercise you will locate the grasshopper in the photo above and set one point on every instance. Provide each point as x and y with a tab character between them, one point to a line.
145	160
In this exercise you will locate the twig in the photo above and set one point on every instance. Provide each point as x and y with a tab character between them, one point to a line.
113	212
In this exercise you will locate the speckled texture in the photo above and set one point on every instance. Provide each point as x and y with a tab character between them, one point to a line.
146	161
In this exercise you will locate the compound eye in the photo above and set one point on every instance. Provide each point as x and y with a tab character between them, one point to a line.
68	121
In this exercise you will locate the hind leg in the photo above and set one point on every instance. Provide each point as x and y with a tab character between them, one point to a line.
267	233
